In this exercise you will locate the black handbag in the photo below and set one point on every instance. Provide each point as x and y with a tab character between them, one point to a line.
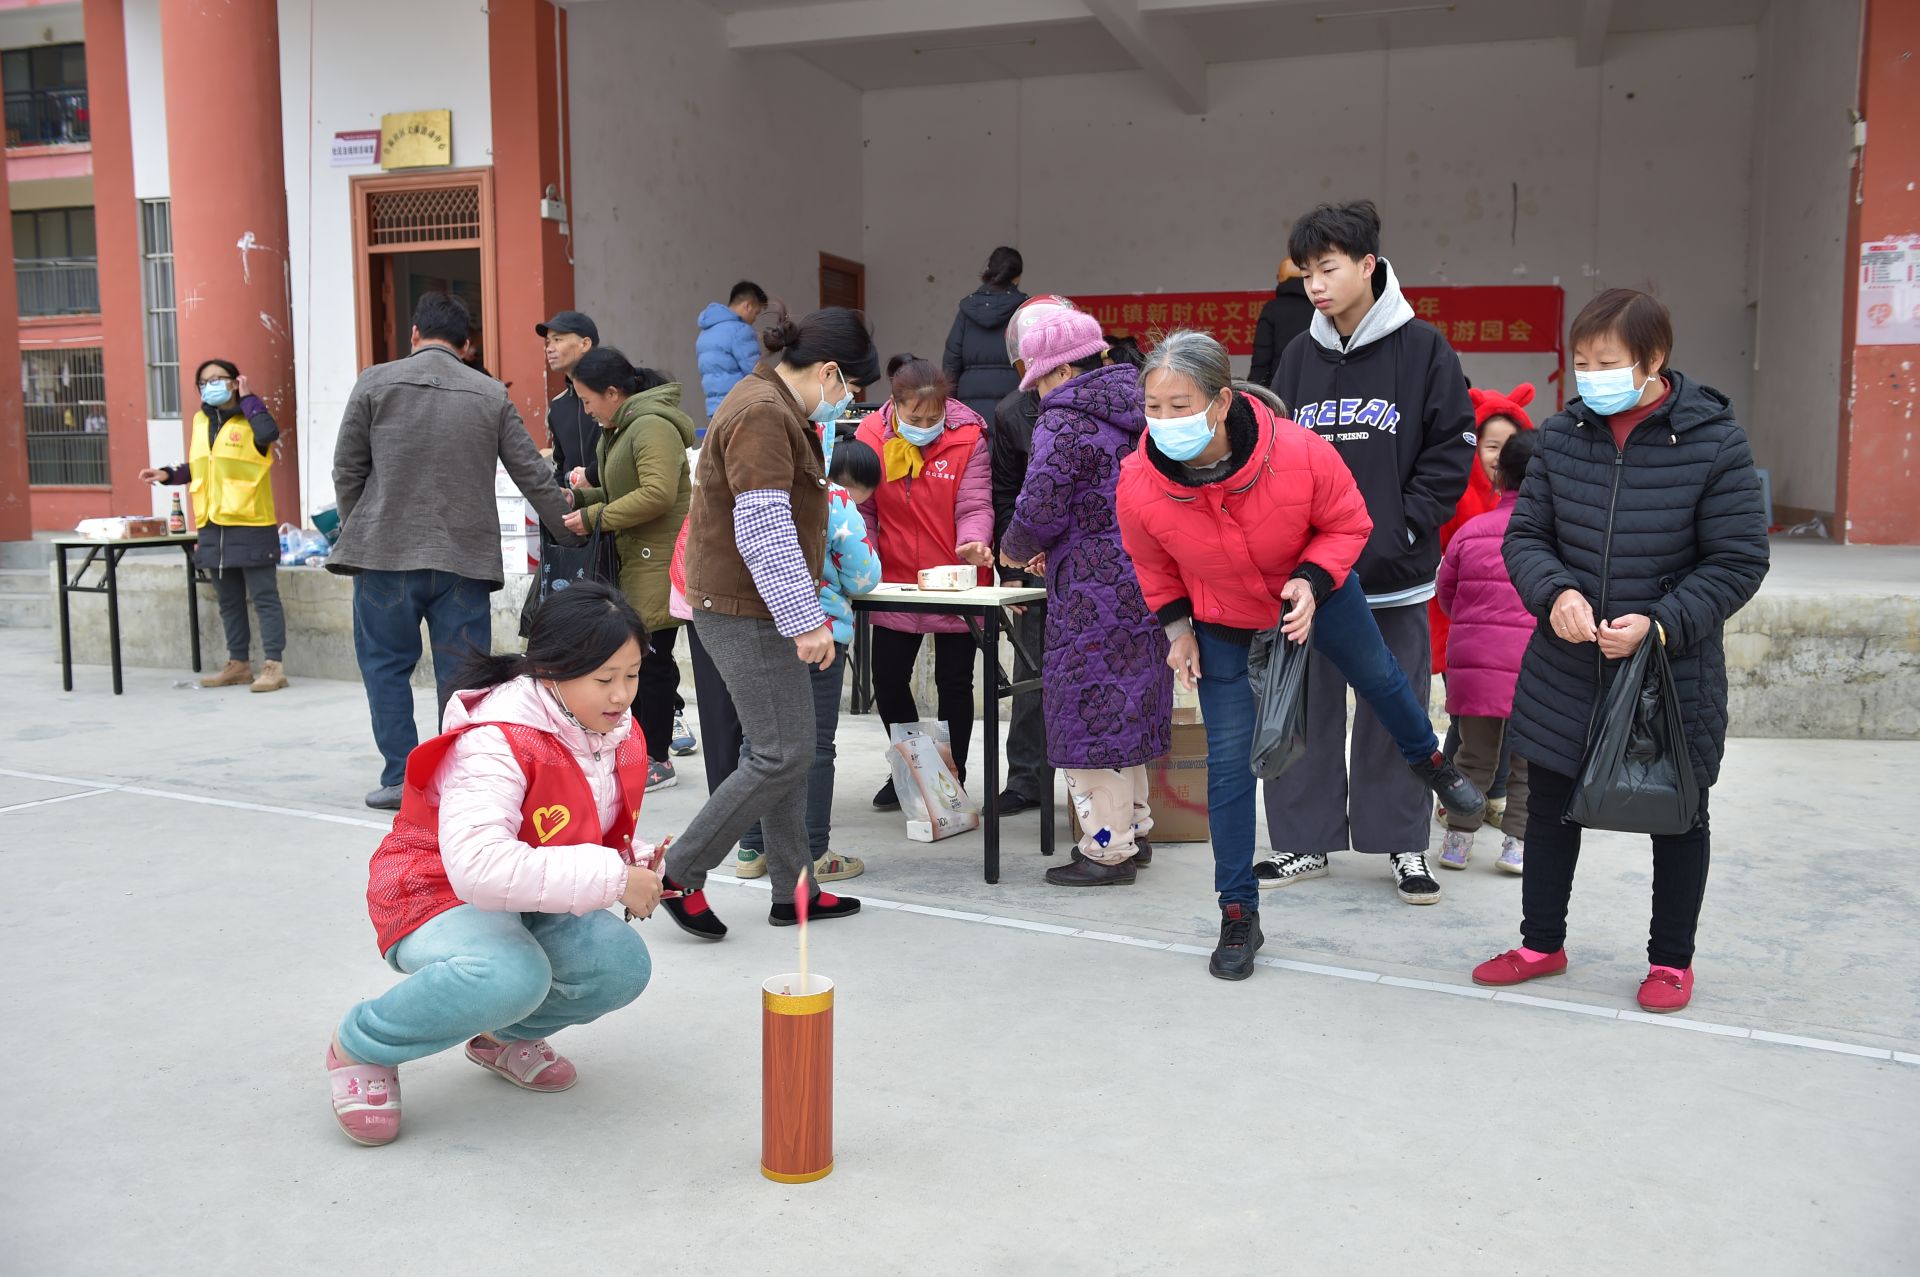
565	565
1637	777
1280	701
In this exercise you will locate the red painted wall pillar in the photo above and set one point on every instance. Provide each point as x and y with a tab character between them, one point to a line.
116	214
1879	461
224	161
526	50
16	506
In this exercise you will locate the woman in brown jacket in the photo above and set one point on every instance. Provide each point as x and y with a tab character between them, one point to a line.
756	538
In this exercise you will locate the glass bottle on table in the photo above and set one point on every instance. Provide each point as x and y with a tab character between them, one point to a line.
176	521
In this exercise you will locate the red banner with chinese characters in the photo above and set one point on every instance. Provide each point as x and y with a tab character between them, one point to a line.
1494	319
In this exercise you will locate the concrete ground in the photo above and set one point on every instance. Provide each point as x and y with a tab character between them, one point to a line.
1028	1079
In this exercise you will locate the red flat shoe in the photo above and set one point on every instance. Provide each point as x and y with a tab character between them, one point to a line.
1512	967
1666	989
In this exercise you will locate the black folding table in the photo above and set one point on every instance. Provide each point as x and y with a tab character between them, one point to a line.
108	554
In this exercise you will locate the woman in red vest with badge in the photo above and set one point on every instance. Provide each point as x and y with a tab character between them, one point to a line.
933	508
517	832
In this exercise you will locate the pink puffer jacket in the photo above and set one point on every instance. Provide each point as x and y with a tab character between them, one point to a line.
1490	627
480	789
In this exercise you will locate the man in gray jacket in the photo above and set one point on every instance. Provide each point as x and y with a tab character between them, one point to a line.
413	476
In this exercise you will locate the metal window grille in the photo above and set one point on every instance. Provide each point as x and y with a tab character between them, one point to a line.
64	395
433	215
163	335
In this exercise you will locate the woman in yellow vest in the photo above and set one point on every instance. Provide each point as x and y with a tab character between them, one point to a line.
227	468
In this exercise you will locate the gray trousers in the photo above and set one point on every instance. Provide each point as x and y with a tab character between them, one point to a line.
232	586
826	685
774	697
1376	806
1027	770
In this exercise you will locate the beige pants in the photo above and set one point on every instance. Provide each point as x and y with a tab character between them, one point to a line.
1113	811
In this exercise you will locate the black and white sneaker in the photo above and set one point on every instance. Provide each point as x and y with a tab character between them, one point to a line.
1287	868
1411	878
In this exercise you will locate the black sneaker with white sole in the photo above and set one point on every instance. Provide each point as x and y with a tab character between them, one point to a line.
1411	878
1287	868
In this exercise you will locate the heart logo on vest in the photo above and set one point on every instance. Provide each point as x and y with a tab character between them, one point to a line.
940	464
548	821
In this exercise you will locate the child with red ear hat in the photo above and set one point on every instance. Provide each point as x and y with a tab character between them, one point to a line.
1496	418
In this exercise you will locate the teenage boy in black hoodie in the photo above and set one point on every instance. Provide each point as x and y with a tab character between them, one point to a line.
1386	391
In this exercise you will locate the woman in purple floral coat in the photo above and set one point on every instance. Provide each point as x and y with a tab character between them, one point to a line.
1108	693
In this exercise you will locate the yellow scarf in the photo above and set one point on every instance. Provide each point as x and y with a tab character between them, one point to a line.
903	459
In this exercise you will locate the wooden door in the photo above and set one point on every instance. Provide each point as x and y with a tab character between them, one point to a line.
842	282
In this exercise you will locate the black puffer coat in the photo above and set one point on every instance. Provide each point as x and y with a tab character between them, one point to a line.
976	356
1671	526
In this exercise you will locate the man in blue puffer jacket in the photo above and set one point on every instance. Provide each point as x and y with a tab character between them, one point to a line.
728	348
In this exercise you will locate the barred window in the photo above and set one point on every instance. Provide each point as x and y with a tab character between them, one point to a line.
163	336
63	391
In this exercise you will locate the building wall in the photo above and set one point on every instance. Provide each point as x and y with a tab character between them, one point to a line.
24	28
366	58
146	83
1809	76
693	167
1491	164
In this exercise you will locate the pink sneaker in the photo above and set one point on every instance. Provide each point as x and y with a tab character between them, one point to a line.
1666	989
366	1100
1514	967
531	1066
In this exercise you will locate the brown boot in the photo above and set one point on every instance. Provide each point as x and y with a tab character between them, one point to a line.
272	677
236	673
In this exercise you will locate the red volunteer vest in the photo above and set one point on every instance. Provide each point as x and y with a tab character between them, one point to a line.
917	525
407	881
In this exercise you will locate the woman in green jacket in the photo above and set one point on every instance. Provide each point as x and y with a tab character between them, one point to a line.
645	488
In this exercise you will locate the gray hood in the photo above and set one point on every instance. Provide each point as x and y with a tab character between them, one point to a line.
1390	313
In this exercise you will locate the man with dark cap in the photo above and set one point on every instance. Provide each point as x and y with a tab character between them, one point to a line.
569	336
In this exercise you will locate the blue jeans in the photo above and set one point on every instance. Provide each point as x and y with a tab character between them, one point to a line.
1345	632
387	610
513	975
826	721
1226	706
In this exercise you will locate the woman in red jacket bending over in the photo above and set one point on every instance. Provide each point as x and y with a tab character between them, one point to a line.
1230	513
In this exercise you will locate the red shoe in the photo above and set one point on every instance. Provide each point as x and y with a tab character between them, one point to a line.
366	1100
1513	967
1666	989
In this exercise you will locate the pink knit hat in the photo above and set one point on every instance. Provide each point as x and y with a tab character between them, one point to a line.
1056	338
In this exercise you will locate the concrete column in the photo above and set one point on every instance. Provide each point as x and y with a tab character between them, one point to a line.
526	48
1879	470
222	65
16	506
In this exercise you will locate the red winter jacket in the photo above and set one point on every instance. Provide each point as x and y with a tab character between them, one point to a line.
1221	553
921	523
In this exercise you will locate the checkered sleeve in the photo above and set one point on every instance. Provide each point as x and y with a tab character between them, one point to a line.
763	531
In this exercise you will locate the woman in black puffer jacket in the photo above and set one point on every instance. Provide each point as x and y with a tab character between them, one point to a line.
1640	520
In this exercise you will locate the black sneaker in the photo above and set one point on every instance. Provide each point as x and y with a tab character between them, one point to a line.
1412	880
1240	939
823	906
1460	796
886	799
1013	802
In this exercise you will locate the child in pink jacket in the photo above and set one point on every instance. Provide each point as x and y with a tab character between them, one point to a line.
1485	642
517	832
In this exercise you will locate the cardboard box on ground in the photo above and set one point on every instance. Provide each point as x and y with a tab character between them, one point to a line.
1177	784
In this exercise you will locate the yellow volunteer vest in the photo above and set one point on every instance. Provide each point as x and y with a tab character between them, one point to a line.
230	484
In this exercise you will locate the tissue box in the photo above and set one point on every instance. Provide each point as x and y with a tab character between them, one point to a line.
961	576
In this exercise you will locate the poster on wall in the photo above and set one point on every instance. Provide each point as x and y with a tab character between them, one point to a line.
358	149
1889	311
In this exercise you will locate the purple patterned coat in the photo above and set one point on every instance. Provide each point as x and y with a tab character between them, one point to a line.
1108	694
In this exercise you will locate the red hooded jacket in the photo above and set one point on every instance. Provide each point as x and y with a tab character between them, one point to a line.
1479	497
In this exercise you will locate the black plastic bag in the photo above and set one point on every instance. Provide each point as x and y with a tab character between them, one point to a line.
1280	702
1637	777
563	565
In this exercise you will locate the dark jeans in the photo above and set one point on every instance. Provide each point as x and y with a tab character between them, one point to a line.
387	610
1384	657
653	706
1226	705
233	585
894	653
720	736
1027	770
1553	851
827	684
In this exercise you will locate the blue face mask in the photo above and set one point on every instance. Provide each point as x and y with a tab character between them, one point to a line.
1609	391
829	411
1181	438
216	393
920	436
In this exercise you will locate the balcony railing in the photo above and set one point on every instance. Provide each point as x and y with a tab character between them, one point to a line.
48	117
57	286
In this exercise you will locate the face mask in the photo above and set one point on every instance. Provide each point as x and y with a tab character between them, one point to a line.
215	393
1181	438
828	412
1609	391
920	436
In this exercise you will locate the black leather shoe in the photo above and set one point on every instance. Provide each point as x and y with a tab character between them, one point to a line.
1081	872
886	799
1013	802
1240	939
1142	853
1456	793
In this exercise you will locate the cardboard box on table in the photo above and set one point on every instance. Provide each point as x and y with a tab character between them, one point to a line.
1177	784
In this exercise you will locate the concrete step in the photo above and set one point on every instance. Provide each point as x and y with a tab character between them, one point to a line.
25	611
25	554
26	581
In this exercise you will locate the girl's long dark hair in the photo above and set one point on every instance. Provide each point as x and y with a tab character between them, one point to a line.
604	368
575	631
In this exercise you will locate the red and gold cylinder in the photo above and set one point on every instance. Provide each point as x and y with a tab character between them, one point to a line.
796	1078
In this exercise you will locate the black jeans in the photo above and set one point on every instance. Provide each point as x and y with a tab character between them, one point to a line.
894	653
654	706
1553	850
720	734
232	586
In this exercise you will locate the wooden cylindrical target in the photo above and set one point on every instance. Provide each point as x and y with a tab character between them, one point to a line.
796	1078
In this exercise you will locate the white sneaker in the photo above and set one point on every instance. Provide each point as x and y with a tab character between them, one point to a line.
1513	855
1456	849
1284	870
